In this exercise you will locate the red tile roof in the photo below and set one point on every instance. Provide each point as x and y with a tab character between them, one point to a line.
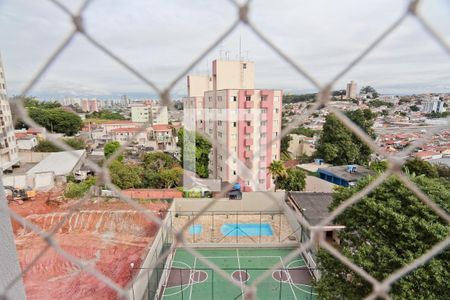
20	135
161	127
125	129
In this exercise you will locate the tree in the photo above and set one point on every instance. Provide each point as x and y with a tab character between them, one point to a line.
172	177
157	161
105	114
414	108
369	90
385	231
56	120
47	146
75	143
420	167
110	148
77	190
379	166
443	171
339	146
294	181
199	153
125	176
284	145
278	172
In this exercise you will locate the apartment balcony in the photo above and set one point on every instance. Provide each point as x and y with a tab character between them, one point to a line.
265	104
261	175
248	142
248	104
248	129
248	154
264	117
263	129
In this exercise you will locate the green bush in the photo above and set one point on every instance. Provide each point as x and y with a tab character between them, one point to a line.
77	190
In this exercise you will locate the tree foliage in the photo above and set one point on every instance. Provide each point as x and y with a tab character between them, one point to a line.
110	148
339	146
294	181
383	232
47	146
378	103
77	190
420	167
125	175
105	114
278	172
56	120
369	90
194	157
299	98
161	170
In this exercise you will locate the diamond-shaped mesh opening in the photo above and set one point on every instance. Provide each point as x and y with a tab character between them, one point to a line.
167	240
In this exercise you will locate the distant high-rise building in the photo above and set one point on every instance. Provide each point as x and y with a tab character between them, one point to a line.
155	114
240	119
9	155
90	105
124	100
430	106
351	91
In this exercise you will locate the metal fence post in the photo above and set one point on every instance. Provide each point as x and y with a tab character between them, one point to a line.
9	260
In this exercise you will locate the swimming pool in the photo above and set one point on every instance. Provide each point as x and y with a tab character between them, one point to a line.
195	229
252	229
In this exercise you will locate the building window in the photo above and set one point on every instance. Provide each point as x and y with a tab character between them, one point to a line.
234	98
276	133
276	110
234	124
248	98
219	98
244	66
249	123
234	172
263	123
264	110
261	181
219	123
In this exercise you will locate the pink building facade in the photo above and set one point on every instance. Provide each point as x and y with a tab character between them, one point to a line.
245	125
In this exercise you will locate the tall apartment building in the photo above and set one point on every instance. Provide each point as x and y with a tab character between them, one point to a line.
351	91
155	114
9	155
90	105
239	119
434	105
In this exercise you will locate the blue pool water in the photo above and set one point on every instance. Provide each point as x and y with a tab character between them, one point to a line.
257	229
195	229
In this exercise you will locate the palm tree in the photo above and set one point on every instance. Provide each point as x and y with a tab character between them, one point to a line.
278	171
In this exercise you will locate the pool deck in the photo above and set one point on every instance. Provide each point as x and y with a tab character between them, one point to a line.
212	225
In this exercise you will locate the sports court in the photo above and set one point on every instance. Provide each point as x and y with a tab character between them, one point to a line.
188	278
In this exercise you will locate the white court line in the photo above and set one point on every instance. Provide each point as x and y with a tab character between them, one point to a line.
289	278
232	256
192	275
240	273
184	287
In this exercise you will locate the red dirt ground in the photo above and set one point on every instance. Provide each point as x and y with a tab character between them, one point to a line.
109	236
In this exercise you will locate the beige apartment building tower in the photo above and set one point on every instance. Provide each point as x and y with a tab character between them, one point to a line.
9	155
351	91
240	120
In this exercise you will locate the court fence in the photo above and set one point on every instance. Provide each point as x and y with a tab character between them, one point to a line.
176	283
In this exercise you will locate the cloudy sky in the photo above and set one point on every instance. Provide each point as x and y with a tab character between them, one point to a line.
161	38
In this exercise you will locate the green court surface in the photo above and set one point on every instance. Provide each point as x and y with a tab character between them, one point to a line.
189	278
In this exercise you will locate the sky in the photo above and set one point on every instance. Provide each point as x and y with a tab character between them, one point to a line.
161	38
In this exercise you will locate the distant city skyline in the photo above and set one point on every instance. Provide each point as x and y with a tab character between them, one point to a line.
162	40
